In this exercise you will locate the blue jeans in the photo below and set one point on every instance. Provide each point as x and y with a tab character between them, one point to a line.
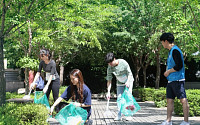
120	90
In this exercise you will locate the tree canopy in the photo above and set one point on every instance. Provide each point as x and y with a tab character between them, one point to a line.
81	32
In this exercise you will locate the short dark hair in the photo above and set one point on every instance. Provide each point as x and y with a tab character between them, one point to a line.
109	57
167	36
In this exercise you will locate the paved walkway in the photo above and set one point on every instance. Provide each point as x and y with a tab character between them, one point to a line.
148	115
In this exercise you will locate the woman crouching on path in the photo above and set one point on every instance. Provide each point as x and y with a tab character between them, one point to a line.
78	91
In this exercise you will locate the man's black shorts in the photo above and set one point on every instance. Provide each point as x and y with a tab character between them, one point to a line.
176	89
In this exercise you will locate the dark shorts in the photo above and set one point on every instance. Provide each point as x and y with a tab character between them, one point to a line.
176	89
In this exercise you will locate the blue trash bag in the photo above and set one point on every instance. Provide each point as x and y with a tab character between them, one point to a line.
127	103
71	115
41	98
40	83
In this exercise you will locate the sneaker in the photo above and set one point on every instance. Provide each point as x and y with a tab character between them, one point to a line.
166	123
129	118
118	118
88	122
184	123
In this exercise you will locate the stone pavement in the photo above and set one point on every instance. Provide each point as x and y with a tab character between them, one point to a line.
148	115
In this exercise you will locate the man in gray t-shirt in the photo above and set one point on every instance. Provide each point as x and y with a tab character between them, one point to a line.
121	69
122	73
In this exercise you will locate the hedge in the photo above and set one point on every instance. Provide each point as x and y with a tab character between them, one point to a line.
193	97
159	97
23	114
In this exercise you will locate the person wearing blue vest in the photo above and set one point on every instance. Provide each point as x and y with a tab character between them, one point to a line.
175	73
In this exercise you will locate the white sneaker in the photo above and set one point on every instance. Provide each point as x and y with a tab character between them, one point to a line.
118	118
129	118
166	123
184	123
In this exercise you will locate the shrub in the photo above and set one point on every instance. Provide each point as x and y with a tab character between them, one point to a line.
159	97
146	94
10	95
23	114
161	103
6	114
193	97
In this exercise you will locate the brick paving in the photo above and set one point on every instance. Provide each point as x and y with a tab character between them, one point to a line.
148	115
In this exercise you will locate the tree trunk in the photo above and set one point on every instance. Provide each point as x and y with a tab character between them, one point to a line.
158	70
29	53
61	74
2	72
146	62
26	80
30	38
137	67
137	77
2	75
145	76
195	20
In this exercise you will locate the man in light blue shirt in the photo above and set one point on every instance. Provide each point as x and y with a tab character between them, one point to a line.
121	69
